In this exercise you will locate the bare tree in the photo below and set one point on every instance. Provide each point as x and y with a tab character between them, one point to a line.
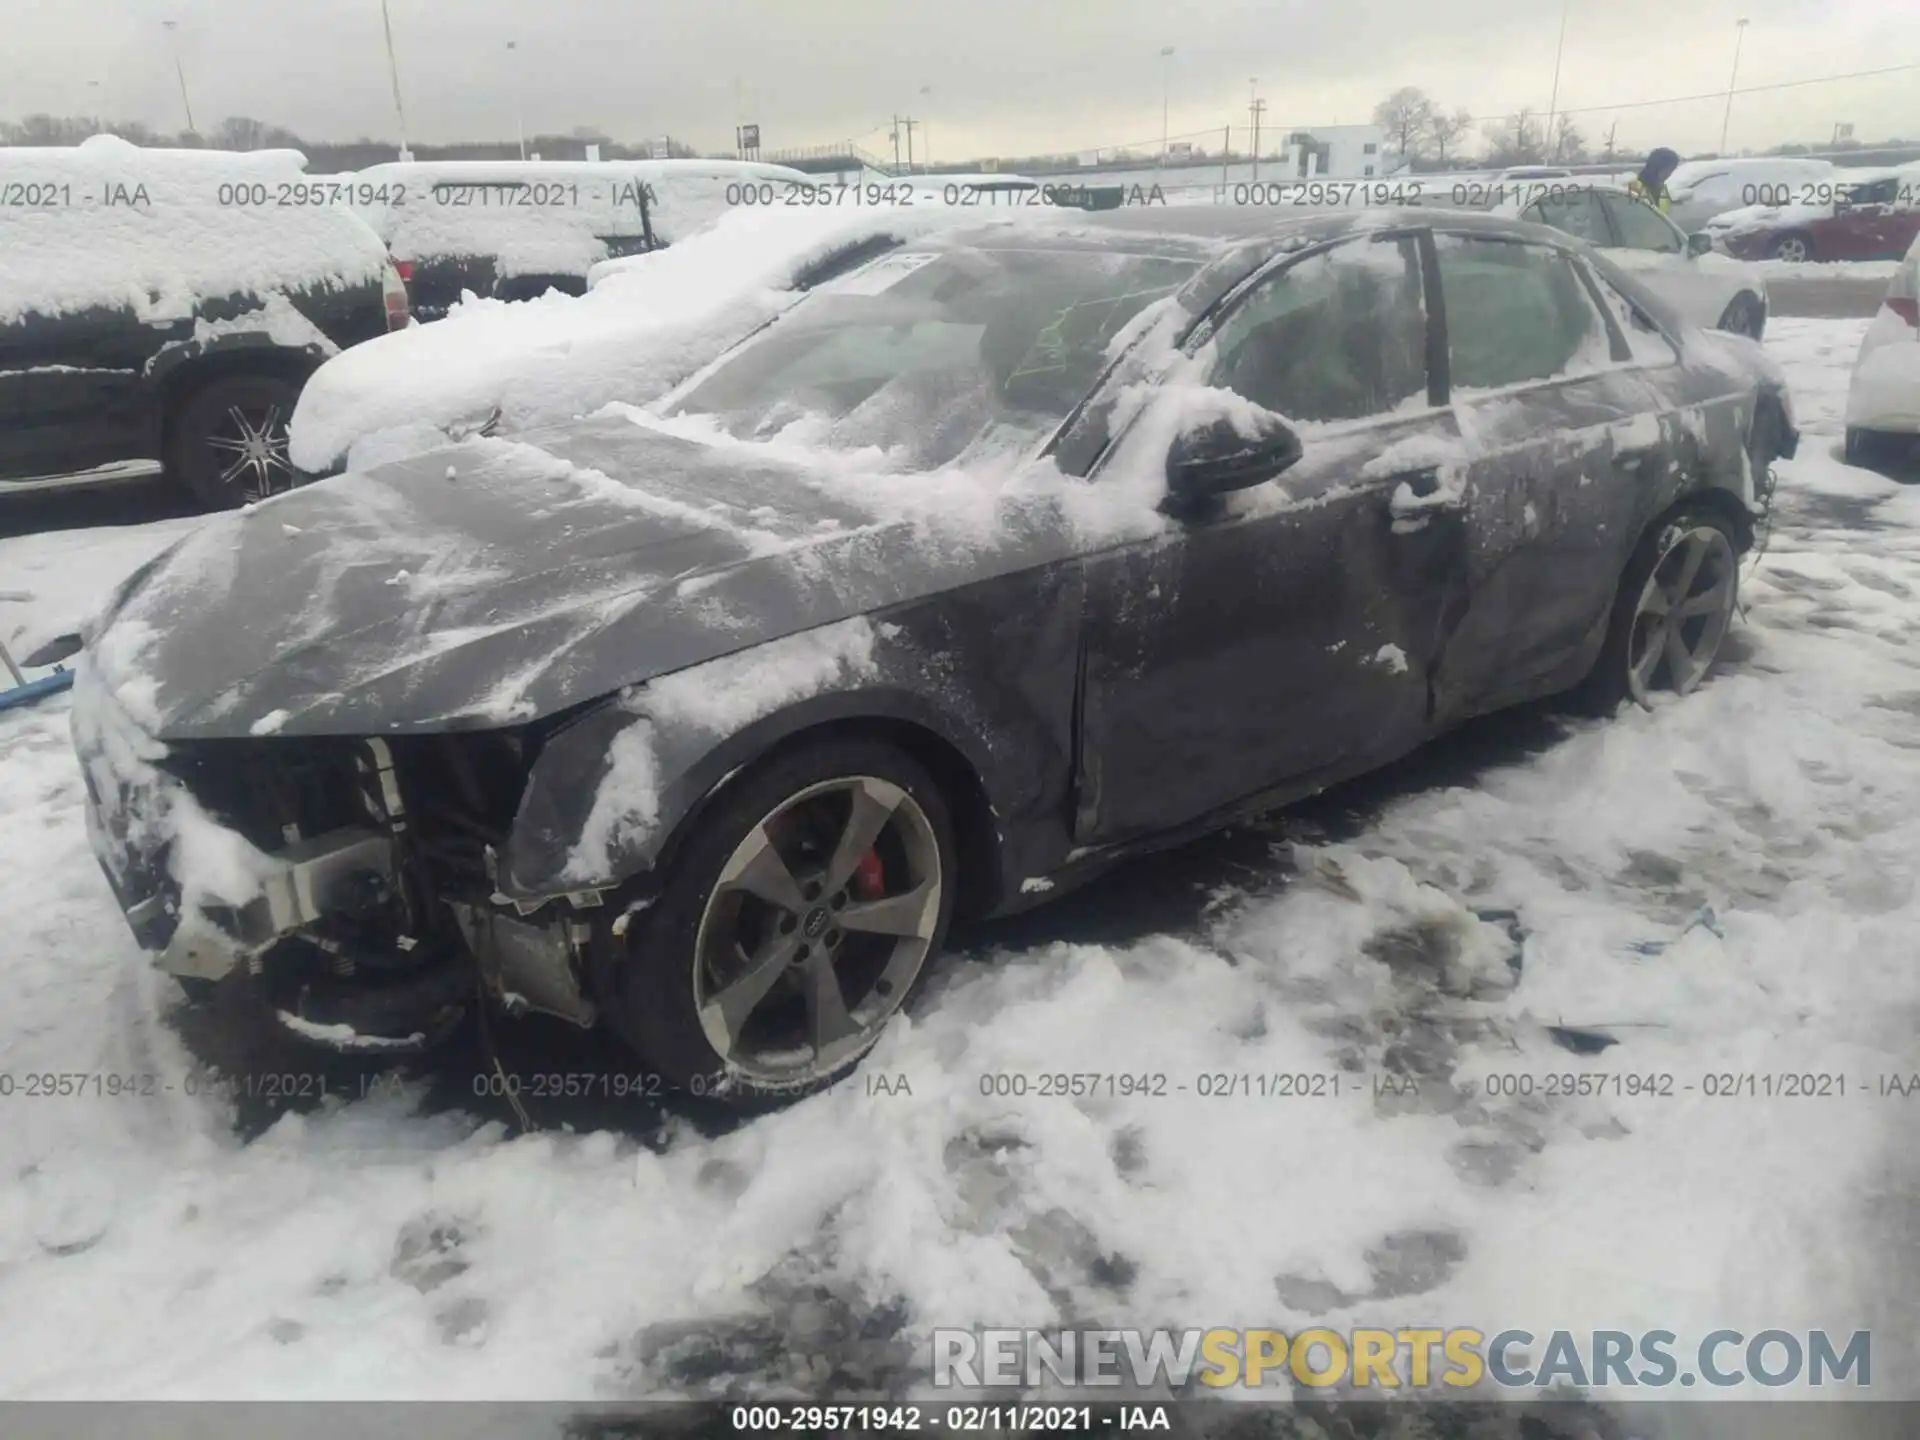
1516	140
1446	131
1406	116
1569	145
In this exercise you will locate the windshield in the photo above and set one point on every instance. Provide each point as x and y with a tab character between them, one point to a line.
936	356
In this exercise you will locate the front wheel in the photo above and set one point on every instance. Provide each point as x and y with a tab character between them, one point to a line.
791	927
1672	611
1744	315
230	440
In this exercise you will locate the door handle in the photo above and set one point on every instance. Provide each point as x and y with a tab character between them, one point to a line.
1413	501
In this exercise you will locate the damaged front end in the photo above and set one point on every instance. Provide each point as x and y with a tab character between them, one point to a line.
350	880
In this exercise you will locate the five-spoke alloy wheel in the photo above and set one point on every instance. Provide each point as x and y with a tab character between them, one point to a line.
791	926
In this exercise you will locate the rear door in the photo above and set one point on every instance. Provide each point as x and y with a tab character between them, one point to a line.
71	392
1548	398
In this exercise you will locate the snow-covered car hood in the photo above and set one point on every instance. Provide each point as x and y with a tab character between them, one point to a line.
498	581
1766	217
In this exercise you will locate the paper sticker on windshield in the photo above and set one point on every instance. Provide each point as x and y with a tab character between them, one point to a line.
883	274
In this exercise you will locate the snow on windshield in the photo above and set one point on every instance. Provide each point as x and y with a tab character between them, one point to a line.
931	356
109	225
632	337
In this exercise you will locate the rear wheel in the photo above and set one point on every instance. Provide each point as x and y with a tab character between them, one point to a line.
1745	315
230	439
1672	611
791	927
1793	248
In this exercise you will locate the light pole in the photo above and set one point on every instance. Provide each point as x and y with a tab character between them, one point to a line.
1166	90
1254	106
1553	103
926	144
519	109
173	39
393	69
1739	34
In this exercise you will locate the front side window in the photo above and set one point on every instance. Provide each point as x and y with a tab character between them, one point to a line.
1516	313
1340	335
1642	227
1576	212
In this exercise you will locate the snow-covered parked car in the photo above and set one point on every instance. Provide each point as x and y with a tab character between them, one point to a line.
1011	551
1883	400
1713	291
647	323
1698	190
1858	215
164	309
514	229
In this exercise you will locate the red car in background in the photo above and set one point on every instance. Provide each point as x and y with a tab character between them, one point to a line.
1872	217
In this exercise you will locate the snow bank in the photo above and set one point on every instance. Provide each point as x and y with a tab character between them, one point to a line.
631	337
106	224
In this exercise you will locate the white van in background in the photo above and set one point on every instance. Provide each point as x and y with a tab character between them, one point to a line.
1702	189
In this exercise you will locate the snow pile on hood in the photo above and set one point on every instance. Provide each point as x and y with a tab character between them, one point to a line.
631	337
109	225
561	218
1749	218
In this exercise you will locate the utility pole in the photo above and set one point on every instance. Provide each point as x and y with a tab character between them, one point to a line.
393	69
1739	34
172	28
910	123
1166	91
519	110
1553	102
1610	129
1256	107
896	142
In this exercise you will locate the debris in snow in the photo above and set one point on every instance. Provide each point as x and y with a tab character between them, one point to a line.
1580	1042
399	577
345	1037
426	1253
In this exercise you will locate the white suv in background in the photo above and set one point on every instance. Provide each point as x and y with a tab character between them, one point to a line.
1715	292
1883	401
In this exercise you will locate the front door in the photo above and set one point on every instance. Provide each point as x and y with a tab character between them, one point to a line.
1285	637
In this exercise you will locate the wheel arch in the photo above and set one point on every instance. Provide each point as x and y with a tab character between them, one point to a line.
571	771
181	375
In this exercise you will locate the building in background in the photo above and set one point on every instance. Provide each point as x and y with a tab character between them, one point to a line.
1334	152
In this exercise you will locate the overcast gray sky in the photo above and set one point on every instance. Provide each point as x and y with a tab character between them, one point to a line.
998	76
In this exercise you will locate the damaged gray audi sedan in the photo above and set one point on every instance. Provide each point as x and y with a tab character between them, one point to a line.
1008	551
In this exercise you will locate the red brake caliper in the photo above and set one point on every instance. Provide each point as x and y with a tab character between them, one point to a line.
869	877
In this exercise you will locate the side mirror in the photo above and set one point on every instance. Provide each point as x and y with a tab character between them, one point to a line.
54	651
1216	458
1699	243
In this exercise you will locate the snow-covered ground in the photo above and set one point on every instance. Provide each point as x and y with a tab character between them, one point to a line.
1724	885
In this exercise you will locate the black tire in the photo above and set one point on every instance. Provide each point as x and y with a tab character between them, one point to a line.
213	451
1610	682
1895	456
1744	315
646	979
1794	247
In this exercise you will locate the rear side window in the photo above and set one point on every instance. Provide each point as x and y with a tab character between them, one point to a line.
1516	313
1577	212
1644	340
1341	335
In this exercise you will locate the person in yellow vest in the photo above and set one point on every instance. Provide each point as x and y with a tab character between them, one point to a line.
1650	184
